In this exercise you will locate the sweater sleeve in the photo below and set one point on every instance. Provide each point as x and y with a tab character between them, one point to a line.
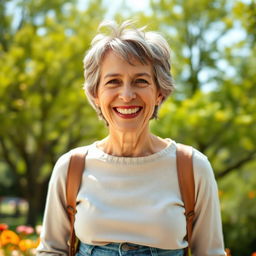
56	225
207	237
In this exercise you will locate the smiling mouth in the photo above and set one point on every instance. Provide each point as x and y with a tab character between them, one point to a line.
128	112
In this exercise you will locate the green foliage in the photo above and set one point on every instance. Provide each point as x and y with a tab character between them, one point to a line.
43	109
238	210
194	29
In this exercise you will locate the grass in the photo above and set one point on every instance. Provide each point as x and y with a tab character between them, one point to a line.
13	222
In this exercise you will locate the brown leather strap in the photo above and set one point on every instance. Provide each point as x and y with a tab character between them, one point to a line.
73	182
187	186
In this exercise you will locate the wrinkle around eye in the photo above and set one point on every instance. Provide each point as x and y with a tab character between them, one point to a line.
141	83
113	82
141	80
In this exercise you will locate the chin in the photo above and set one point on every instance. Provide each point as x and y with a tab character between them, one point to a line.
127	128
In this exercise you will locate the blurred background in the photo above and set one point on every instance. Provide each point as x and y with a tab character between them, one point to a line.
44	112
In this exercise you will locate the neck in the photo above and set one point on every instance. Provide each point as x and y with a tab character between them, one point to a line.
130	144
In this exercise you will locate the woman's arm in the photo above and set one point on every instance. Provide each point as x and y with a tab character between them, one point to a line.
207	237
56	225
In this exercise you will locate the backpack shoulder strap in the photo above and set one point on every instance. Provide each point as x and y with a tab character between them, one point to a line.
73	182
187	185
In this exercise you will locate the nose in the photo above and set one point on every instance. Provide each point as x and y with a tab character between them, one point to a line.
127	93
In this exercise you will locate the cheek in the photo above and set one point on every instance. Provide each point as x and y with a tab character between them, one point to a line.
150	98
105	98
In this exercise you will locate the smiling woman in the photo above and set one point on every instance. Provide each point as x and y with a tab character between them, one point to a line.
129	202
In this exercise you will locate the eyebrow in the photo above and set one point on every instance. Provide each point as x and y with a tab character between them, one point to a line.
117	74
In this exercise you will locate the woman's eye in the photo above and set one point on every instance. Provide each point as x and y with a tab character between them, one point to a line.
141	81
113	81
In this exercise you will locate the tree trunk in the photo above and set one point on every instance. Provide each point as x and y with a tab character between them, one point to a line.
34	206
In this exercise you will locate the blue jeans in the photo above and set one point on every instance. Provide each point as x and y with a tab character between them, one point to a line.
125	249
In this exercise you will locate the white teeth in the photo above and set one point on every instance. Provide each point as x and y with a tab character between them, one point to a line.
126	111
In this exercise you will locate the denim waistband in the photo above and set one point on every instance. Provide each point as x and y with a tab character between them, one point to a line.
123	249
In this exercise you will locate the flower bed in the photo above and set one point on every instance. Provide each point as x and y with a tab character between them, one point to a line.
21	242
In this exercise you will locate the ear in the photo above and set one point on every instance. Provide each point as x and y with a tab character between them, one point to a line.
159	98
96	100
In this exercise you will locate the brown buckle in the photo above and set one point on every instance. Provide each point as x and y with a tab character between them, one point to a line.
128	247
190	215
71	210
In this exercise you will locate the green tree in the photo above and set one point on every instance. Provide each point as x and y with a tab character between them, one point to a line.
43	109
213	108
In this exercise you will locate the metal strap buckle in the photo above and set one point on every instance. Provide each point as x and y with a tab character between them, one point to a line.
71	210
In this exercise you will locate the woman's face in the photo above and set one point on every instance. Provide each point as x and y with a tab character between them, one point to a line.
127	94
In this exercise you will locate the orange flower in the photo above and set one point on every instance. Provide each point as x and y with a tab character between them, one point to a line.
253	254
26	244
9	237
251	194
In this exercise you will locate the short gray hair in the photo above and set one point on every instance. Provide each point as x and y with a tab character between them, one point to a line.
129	43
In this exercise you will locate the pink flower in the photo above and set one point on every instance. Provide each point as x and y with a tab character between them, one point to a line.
26	230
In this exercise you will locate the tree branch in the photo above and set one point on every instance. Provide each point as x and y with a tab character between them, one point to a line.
215	137
236	165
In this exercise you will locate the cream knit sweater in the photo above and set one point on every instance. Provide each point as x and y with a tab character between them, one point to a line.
133	199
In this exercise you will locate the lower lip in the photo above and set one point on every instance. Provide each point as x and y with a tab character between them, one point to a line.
128	116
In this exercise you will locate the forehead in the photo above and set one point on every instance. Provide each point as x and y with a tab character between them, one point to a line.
113	62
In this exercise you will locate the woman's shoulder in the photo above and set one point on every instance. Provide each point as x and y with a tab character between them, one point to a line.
64	159
61	165
202	166
199	157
